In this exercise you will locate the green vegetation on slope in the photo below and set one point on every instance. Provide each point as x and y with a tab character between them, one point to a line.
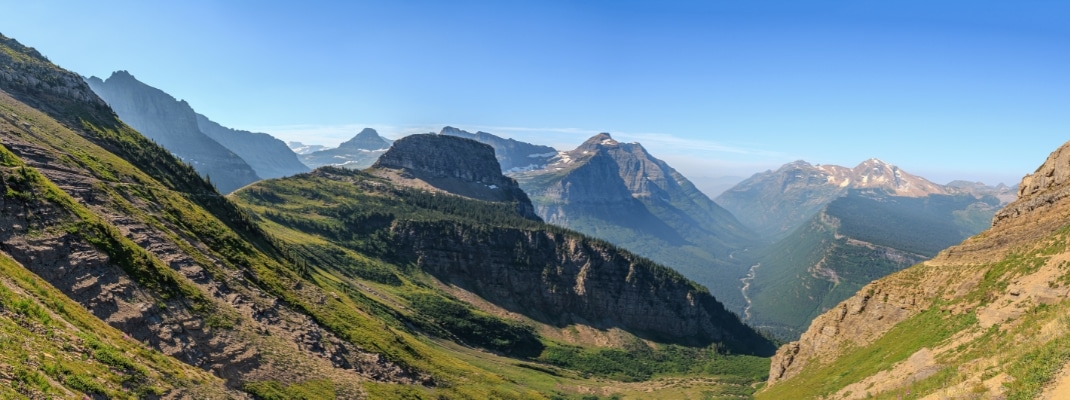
55	348
857	239
336	222
1028	350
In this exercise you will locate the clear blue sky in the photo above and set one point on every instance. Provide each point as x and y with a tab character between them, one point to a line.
972	90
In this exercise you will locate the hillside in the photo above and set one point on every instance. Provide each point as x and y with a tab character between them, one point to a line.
173	124
123	229
619	192
985	318
860	237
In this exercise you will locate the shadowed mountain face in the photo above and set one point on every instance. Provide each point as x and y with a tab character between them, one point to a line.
357	153
513	156
985	318
620	193
173	124
268	156
455	165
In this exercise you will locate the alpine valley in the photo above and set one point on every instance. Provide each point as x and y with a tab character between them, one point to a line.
831	230
147	251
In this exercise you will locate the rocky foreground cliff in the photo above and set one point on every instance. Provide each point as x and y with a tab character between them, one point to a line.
984	318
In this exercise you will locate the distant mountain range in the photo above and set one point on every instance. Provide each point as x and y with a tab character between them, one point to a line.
302	149
986	318
359	152
231	158
775	203
513	156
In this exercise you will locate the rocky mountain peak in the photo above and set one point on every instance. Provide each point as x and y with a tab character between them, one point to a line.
1042	189
455	165
603	139
367	139
444	156
1053	175
797	164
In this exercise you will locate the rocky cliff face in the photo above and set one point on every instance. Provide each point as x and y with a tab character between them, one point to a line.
456	165
562	279
774	203
621	193
269	157
357	153
26	74
173	124
513	156
988	312
1041	189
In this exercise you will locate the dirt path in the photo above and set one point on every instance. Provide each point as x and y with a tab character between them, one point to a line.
746	285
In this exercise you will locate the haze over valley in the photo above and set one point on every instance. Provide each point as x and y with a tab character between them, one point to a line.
534	200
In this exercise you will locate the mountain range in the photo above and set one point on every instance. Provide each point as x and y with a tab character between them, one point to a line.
230	158
620	193
775	203
830	230
359	152
461	265
127	274
983	319
513	156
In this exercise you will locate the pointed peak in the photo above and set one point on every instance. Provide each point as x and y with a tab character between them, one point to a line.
367	139
601	139
875	163
368	132
121	74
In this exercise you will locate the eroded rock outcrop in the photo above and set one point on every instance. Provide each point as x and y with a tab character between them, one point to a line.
1041	189
562	279
456	165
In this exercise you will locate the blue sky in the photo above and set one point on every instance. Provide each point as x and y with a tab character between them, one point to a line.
973	90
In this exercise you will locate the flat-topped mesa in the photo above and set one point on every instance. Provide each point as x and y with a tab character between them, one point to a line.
455	165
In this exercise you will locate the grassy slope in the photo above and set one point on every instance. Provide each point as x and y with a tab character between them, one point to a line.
1027	350
52	347
334	225
140	179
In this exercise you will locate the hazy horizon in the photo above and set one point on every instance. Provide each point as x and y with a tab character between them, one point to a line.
955	90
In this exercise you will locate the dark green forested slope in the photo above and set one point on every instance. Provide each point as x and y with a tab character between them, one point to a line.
856	239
